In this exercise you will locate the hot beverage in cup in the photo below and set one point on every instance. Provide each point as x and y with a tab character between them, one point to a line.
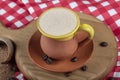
61	32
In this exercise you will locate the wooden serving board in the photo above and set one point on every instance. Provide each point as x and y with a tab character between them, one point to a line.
99	65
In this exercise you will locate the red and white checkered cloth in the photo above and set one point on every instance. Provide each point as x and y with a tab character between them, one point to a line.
18	13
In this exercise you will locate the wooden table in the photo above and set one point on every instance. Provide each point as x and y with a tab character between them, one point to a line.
99	65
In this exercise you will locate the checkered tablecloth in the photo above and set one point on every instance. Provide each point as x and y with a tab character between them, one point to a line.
16	14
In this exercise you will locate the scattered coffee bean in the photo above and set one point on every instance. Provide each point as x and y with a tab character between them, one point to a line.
49	60
44	57
74	59
67	74
111	78
12	78
84	68
104	44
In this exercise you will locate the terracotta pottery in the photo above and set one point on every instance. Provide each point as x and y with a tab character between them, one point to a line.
62	49
83	54
99	64
62	32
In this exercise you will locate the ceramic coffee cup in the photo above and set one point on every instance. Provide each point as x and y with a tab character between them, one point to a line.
60	28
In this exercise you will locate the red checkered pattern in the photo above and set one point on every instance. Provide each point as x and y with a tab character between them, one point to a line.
19	76
17	13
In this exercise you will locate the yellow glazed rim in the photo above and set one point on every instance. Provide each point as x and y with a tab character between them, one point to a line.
66	36
88	28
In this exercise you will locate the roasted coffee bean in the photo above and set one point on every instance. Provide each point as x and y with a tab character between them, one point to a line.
44	57
104	44
49	60
84	68
12	78
74	59
67	74
111	78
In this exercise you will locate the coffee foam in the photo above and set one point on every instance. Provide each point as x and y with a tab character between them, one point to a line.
58	22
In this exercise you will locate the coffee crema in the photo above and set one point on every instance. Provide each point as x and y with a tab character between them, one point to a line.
58	21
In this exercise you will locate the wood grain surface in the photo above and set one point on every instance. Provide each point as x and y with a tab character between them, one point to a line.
99	65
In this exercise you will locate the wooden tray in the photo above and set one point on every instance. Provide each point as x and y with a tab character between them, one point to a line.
99	65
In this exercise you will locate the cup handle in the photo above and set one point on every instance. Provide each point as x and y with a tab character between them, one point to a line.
85	31
88	28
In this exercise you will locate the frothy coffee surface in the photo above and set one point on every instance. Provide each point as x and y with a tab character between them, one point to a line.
58	21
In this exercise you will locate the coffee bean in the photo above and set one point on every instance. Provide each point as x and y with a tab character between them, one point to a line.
103	44
67	74
84	68
111	78
74	59
49	60
44	57
12	78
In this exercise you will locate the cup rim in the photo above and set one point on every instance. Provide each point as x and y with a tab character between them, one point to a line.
61	36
